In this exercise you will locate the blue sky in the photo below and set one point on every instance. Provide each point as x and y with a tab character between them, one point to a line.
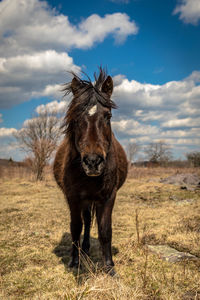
150	47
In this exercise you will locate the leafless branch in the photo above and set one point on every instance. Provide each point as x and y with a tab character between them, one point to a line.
39	137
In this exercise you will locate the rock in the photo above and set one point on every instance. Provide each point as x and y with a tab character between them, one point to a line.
169	254
187	181
189	188
185	201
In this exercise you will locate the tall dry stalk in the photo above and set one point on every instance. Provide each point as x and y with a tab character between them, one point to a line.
137	226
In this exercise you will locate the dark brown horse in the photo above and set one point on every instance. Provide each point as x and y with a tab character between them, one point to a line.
90	164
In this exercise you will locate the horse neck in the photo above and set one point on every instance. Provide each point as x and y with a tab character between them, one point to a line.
72	151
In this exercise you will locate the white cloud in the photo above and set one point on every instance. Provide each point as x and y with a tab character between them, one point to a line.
27	76
195	77
34	39
9	147
180	133
181	142
31	25
173	96
57	106
150	112
150	115
187	122
49	60
132	127
6	132
11	150
51	90
95	28
189	11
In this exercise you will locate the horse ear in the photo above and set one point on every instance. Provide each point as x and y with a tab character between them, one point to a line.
107	86
75	85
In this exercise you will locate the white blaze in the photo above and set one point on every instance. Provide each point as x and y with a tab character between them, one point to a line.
92	110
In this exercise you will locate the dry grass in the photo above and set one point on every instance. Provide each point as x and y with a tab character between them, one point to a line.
144	172
10	172
35	243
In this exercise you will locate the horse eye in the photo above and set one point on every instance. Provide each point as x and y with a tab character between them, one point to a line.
108	117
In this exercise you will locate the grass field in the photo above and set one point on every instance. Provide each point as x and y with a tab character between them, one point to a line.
35	242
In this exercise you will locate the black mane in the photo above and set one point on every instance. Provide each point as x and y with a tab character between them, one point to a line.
87	94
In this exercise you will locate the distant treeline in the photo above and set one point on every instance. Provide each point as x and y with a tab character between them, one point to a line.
172	163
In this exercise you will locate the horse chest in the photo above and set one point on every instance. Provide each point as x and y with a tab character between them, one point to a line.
80	186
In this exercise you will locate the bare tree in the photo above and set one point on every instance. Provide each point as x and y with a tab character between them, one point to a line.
132	149
158	152
194	158
39	137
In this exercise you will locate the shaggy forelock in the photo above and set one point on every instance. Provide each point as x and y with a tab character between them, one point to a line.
86	95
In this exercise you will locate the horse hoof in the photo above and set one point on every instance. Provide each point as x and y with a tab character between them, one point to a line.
112	273
85	253
73	264
116	275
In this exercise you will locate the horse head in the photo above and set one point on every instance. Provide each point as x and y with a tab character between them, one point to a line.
91	110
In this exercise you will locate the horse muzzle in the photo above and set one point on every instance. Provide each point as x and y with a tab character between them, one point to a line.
93	164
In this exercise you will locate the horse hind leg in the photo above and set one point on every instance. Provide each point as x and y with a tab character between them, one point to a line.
87	224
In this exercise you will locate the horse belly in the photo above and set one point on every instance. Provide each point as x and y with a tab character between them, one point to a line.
58	166
122	164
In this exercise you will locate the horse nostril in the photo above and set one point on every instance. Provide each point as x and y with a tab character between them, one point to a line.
86	160
93	160
99	160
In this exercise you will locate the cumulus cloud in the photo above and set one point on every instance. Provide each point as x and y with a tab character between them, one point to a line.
150	112
52	90
28	76
11	149
139	99
49	60
6	132
29	25
58	106
131	127
189	11
34	39
187	122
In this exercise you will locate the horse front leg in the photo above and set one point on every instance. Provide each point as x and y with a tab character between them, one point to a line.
76	228
87	224
104	220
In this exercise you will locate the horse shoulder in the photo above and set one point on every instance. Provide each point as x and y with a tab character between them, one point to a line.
122	164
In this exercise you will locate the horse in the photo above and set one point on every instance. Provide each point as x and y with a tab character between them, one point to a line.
90	164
